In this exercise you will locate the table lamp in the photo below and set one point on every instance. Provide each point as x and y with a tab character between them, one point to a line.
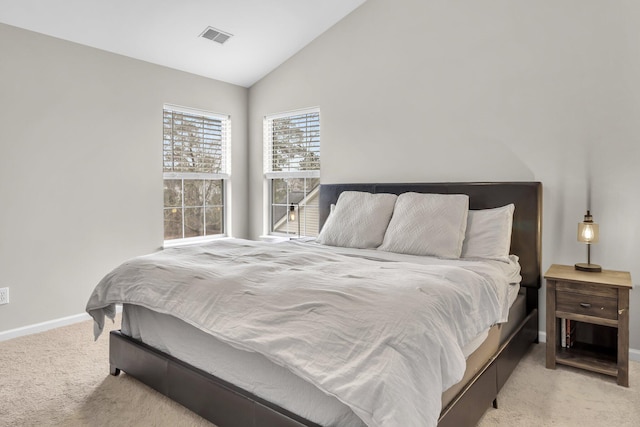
588	233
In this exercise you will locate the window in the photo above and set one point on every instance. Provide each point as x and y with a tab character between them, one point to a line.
292	172
196	157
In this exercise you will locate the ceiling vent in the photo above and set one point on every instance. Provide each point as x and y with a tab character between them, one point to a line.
215	35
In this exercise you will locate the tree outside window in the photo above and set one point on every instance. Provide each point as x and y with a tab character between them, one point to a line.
195	155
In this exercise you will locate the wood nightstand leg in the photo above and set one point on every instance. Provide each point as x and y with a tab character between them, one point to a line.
623	337
551	324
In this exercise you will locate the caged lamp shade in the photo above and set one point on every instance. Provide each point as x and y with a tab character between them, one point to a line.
588	232
292	215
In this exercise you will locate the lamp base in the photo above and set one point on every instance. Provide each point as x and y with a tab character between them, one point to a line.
593	268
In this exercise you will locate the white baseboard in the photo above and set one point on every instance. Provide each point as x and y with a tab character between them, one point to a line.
542	336
633	353
45	326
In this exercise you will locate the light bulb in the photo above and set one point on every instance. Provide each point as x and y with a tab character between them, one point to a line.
587	233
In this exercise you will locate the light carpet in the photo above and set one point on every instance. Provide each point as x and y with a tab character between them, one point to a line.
60	378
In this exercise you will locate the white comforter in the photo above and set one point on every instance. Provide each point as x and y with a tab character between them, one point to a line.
383	337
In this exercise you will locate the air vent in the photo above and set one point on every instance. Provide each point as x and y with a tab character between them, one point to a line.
215	35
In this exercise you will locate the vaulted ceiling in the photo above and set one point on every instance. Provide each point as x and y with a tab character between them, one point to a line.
265	33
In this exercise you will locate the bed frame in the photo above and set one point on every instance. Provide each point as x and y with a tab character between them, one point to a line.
227	405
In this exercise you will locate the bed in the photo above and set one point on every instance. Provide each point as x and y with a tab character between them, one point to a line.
183	375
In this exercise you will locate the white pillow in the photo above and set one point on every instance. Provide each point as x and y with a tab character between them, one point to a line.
428	224
359	220
488	233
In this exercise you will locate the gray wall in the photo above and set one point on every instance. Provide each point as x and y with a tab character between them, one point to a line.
416	90
81	166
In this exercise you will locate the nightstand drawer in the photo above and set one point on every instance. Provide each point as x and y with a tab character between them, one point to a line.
588	305
588	289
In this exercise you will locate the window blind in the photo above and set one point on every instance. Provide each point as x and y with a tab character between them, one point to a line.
196	144
292	145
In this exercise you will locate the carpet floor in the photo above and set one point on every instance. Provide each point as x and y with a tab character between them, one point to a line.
60	378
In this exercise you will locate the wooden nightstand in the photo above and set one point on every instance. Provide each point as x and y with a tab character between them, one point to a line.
599	304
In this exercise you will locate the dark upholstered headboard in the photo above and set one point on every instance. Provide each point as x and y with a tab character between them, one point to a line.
527	217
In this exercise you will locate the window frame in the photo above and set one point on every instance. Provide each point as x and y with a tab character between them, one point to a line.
224	175
269	175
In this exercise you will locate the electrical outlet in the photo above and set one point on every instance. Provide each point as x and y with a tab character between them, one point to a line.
4	296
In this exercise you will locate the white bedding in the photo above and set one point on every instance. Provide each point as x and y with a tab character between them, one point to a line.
249	370
377	336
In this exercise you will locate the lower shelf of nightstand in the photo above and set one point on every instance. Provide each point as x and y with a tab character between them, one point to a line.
589	357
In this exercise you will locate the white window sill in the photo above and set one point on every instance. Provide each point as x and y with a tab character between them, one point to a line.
191	241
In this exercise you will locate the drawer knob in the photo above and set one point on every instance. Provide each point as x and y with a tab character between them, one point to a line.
585	305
